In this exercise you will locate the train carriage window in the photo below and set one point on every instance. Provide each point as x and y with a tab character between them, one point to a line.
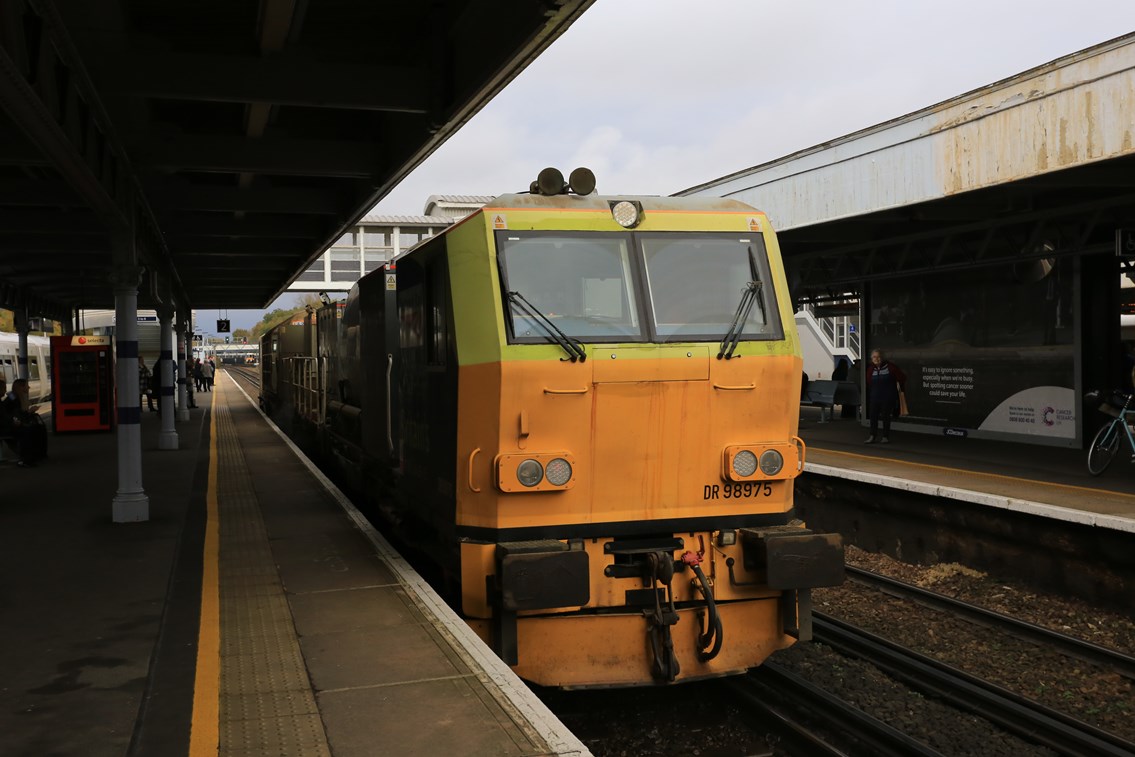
696	282
583	283
33	369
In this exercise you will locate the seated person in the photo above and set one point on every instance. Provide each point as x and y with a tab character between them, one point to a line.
27	427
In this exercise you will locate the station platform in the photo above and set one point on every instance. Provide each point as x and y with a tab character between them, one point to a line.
256	612
1051	482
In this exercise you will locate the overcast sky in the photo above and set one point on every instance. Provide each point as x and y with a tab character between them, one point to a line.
656	96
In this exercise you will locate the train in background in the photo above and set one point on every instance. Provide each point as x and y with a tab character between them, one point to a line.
236	354
585	409
39	364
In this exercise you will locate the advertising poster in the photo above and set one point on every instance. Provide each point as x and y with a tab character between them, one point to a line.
986	352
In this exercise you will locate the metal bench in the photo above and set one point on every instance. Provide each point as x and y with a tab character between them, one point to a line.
825	394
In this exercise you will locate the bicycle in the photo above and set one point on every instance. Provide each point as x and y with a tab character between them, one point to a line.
1106	443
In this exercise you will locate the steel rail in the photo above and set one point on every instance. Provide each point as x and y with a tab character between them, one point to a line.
1027	719
779	695
1067	645
250	376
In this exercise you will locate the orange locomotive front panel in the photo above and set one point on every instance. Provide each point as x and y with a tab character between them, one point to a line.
626	405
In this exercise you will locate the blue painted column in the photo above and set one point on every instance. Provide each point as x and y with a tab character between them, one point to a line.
167	439
182	397
130	503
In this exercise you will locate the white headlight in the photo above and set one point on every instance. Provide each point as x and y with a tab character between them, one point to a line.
529	472
558	472
625	213
744	463
771	462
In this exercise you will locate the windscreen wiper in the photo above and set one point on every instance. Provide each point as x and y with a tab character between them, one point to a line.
729	343
571	346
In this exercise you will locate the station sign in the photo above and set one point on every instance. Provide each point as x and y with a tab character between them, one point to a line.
90	341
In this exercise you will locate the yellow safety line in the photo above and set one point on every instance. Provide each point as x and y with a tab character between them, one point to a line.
204	730
1015	479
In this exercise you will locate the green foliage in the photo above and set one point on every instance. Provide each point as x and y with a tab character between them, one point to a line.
271	319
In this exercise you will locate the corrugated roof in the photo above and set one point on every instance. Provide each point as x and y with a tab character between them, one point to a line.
459	199
397	220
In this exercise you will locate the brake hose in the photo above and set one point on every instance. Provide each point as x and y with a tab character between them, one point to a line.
713	631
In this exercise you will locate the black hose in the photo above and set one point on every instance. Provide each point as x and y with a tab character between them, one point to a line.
713	631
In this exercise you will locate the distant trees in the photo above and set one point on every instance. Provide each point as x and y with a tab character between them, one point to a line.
271	319
309	300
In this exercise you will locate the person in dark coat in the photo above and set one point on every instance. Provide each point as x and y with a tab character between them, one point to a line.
155	395
27	427
885	381
145	382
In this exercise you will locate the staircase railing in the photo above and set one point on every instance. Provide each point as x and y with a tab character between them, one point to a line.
836	332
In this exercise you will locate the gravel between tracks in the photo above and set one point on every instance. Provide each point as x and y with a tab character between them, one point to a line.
1099	697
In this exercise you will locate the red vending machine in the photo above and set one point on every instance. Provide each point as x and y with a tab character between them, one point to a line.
82	383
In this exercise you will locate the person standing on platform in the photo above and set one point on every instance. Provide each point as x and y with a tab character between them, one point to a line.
146	382
189	384
207	371
885	386
198	379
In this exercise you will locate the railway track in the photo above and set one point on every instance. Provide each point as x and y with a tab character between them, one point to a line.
1023	717
789	703
248	376
1066	645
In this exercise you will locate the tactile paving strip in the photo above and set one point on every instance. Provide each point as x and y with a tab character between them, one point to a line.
266	703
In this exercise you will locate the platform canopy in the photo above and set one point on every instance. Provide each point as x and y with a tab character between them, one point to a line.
229	141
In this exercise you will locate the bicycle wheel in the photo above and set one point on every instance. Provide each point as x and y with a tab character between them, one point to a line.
1103	448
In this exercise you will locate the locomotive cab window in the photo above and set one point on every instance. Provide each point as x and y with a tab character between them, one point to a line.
698	285
582	284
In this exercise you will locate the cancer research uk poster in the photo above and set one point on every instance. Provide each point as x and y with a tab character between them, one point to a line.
986	351
991	395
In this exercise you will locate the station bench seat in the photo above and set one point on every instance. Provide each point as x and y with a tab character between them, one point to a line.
826	394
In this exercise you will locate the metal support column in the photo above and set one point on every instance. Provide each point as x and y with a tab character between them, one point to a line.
182	376
167	439
130	503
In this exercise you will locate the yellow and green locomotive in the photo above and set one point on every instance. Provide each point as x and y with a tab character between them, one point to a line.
587	407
